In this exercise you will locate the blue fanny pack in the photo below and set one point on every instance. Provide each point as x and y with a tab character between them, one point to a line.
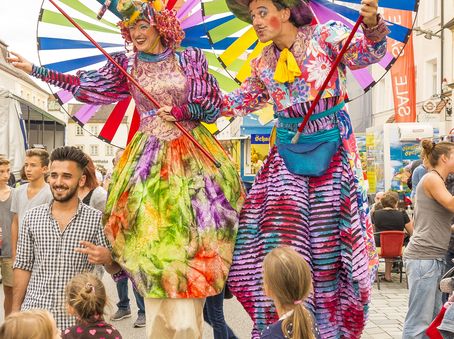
313	153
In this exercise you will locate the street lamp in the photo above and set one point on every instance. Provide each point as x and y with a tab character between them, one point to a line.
428	34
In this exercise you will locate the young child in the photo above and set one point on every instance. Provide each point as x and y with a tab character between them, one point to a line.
33	324
86	299
6	263
287	281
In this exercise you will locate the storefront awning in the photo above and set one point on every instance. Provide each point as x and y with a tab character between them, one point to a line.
36	113
252	125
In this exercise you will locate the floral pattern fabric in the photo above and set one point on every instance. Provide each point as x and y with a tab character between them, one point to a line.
171	214
324	218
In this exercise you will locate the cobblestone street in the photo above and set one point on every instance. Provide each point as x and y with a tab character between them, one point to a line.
388	310
387	313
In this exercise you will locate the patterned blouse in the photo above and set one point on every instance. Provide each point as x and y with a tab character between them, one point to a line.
315	49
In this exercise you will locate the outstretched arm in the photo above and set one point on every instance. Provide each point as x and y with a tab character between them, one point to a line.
103	86
365	49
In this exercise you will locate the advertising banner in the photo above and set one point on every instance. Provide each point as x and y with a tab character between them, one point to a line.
259	150
403	70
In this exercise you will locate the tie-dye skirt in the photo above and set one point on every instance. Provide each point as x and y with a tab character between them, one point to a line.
172	216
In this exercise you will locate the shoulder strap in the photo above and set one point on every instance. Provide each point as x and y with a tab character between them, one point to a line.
87	198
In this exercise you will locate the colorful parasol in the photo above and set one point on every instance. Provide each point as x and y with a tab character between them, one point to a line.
63	48
236	56
228	43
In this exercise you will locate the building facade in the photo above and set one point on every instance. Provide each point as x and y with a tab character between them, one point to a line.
433	54
85	137
28	112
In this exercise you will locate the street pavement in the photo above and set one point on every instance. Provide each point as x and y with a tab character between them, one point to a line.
387	313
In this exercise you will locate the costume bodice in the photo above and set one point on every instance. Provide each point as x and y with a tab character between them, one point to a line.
161	76
163	79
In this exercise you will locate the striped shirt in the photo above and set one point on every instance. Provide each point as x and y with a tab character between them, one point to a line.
48	253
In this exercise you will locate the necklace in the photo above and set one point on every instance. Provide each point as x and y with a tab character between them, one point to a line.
438	174
154	57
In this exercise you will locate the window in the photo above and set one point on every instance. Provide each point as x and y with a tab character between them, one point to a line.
433	76
81	147
94	129
430	10
433	8
94	150
109	151
79	130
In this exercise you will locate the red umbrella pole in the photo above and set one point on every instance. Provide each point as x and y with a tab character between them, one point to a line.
328	78
132	80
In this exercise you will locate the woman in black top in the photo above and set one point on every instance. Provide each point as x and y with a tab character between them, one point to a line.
390	219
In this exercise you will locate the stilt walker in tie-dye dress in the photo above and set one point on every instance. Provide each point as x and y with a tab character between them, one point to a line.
308	195
171	215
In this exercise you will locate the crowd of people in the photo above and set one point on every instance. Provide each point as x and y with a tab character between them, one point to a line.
429	243
296	251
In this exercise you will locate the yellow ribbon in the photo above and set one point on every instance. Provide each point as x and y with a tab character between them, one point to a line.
286	68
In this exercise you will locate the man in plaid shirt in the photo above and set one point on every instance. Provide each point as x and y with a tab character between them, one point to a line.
58	240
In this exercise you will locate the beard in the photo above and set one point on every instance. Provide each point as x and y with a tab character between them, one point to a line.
72	191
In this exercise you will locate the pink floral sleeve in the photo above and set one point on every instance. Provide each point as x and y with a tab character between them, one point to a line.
250	97
364	50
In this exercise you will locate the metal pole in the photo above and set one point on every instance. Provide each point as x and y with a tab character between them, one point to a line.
442	47
42	132
55	134
28	126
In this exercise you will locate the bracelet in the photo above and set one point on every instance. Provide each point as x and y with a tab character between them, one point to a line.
39	72
120	275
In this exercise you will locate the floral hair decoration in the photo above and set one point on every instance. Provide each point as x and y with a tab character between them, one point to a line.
153	11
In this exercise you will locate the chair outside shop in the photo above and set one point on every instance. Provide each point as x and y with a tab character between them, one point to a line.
391	249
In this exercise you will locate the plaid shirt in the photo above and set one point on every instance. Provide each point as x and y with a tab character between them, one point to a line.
49	254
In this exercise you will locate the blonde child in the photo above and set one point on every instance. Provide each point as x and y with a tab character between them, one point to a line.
33	324
86	300
287	281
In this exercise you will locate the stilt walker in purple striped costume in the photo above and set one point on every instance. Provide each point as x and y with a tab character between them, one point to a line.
308	195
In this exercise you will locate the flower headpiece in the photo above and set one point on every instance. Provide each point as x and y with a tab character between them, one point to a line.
132	10
153	11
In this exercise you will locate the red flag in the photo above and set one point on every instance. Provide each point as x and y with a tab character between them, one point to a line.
403	70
